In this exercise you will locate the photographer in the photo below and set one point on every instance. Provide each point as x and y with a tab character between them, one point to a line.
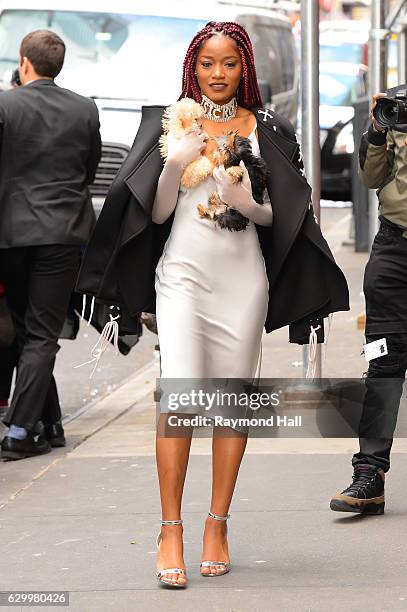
383	165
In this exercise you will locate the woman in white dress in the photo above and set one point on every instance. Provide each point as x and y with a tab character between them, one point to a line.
211	286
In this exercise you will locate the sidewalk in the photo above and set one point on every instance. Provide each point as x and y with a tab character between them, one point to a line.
84	518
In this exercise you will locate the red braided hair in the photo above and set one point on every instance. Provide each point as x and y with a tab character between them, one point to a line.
248	93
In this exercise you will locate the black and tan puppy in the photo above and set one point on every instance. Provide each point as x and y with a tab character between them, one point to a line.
232	149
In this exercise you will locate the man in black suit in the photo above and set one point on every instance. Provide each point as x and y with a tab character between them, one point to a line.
49	150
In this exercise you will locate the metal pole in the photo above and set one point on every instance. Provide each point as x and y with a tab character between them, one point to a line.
310	98
394	14
402	55
377	83
310	117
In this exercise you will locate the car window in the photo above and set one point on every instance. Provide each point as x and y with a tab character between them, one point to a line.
109	55
266	41
287	59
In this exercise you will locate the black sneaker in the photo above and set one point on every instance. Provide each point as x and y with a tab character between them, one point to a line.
20	449
366	493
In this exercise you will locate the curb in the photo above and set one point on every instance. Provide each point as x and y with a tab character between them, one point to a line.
98	414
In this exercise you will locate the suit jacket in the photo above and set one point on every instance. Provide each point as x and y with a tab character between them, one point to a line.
120	260
49	150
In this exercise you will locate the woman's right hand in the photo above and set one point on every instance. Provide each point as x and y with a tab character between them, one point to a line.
375	98
183	151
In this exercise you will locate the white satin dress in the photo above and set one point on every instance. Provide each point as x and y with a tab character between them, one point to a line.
212	294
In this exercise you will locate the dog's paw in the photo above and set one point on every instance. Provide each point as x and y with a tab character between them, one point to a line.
216	205
203	211
214	199
235	173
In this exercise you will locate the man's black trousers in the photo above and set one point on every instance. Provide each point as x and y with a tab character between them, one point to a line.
39	281
385	289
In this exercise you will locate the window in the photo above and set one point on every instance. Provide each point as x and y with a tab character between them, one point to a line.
109	55
266	55
274	55
287	59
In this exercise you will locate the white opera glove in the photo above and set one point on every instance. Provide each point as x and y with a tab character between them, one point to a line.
239	196
183	151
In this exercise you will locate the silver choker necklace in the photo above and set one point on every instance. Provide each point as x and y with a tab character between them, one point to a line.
219	112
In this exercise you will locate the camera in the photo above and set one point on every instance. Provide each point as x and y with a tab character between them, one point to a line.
390	112
15	78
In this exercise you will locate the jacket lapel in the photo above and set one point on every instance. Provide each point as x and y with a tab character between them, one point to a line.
143	180
268	127
145	164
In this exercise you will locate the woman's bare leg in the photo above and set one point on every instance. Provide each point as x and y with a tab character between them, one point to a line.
227	453
172	456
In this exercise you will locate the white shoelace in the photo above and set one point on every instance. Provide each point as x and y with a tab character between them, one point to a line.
109	332
313	344
92	309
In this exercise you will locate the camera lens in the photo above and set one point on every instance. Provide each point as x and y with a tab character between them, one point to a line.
385	112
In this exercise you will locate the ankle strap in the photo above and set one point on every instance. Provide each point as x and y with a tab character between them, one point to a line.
218	518
177	522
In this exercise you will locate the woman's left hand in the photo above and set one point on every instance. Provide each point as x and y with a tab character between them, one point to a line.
236	195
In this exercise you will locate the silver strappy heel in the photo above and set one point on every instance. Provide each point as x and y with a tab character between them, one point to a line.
171	570
224	564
